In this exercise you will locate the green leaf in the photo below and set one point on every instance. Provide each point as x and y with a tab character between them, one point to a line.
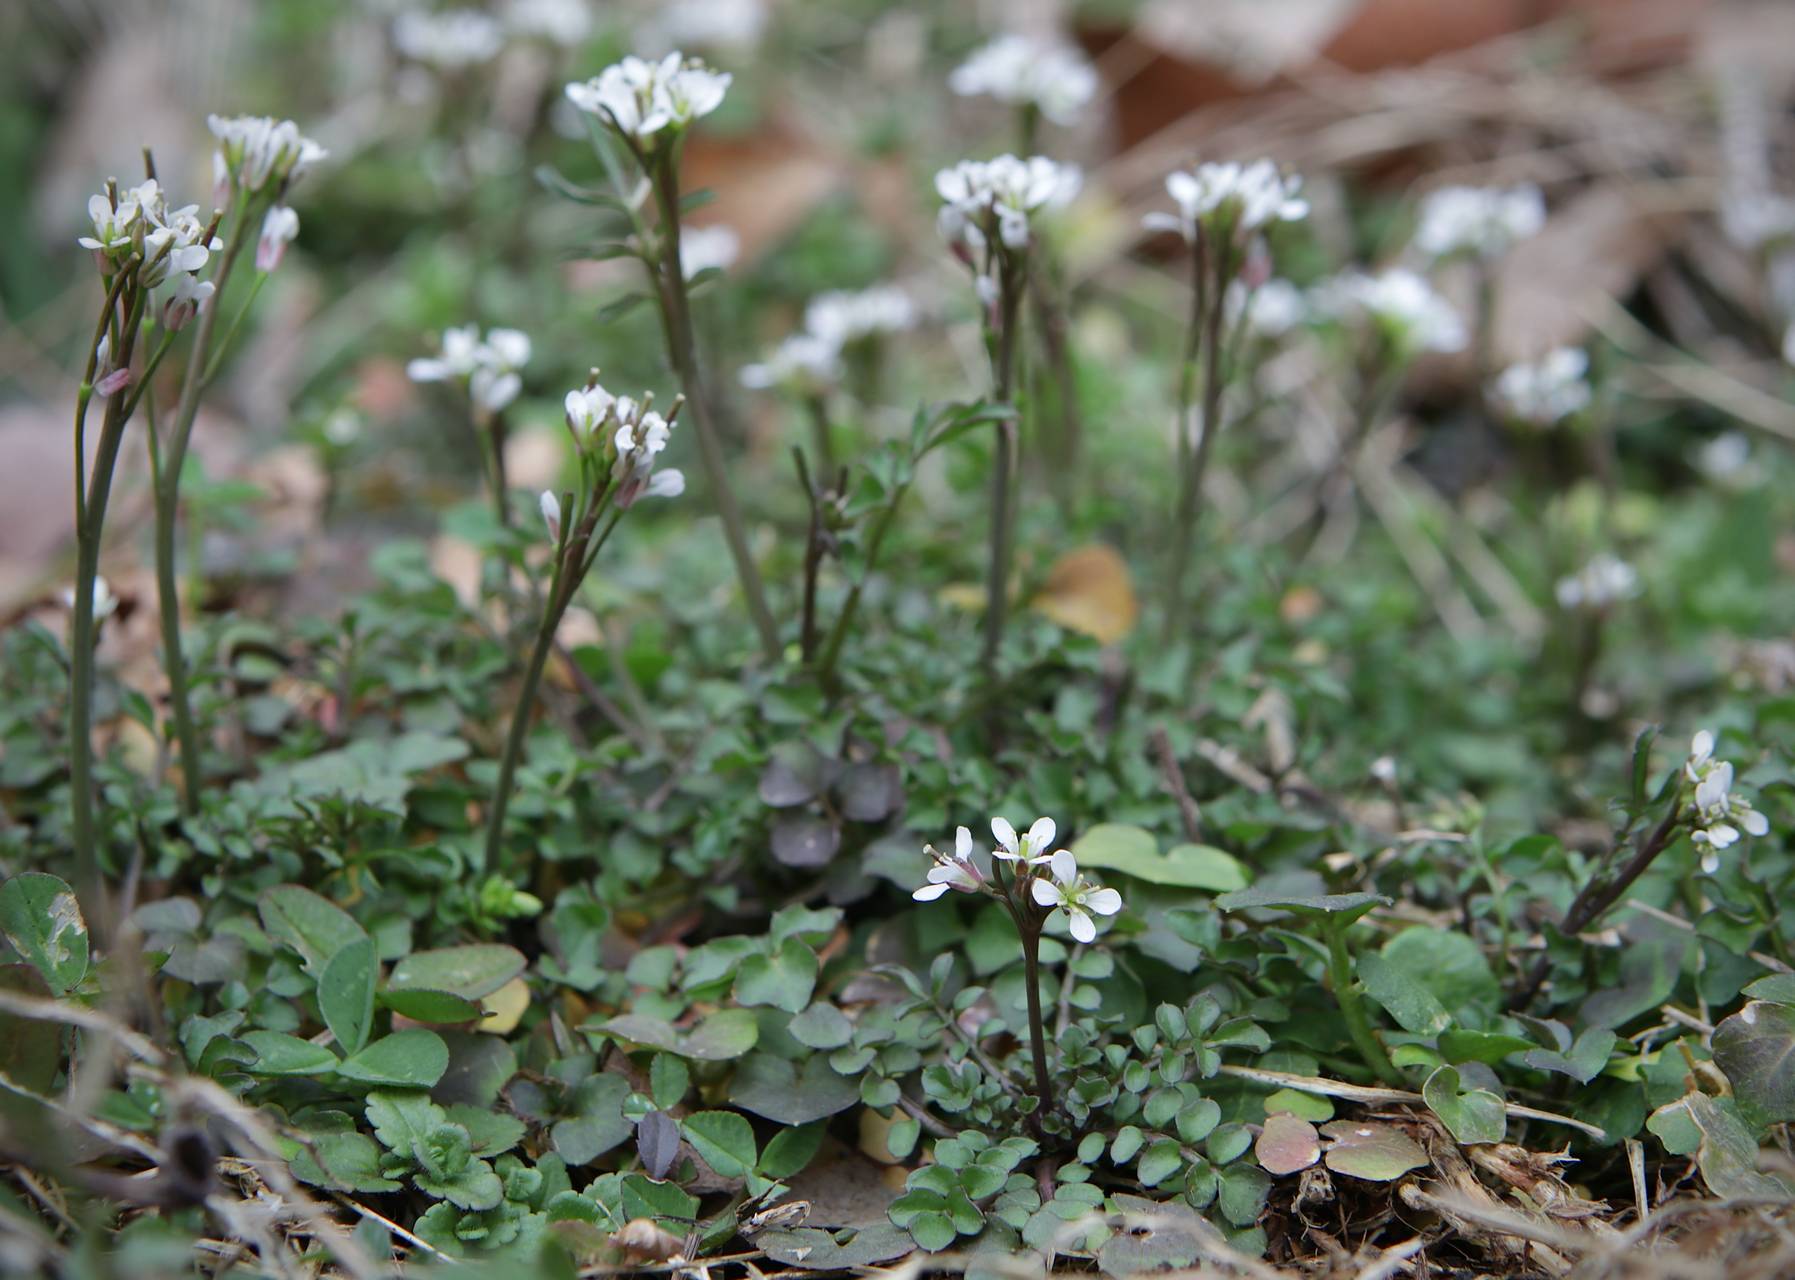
1470	1115
1370	1150
469	972
725	1141
314	927
1756	1049
413	1057
644	1197
821	1026
772	1087
826	1251
279	1054
42	919
490	1133
1458	1045
1160	1161
1134	852
791	1150
725	1034
1727	1154
342	1162
668	1080
784	980
346	994
421	1004
1451	965
1778	987
401	1120
1412	1005
933	1230
1241	1195
596	1122
1346	906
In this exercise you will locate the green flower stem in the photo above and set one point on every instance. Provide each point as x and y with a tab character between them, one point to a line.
676	315
1012	284
167	487
818	413
1210	273
844	621
1352	1009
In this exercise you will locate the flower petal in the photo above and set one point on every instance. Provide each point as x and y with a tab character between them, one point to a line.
1040	836
1063	866
929	892
1105	902
1046	892
1005	835
1081	925
962	844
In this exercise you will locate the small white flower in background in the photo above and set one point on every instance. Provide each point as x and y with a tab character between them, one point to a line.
951	871
342	428
802	362
1482	221
702	248
1272	310
1030	848
1401	303
1065	889
587	409
1008	188
641	436
1548	390
551	515
1717	809
847	316
1050	75
1229	198
254	150
105	604
460	352
730	23
640	99
1605	581
184	301
450	40
1383	769
565	22
1726	460
495	380
279	229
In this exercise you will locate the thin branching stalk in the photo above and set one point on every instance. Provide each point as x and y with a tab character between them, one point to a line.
844	621
817	410
1352	1009
1003	381
167	488
813	558
676	314
1189	483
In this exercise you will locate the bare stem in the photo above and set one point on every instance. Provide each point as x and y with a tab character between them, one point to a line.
1209	277
1352	1009
1003	371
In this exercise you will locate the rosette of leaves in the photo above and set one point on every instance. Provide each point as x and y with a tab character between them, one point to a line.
518	1223
941	1201
818	794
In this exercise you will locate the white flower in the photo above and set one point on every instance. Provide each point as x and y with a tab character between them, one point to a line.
1716	807
1050	75
1077	897
551	515
256	149
803	362
1231	199
702	248
1272	310
184	301
955	871
1547	391
640	98
1726	459
713	22
490	365
342	428
1477	220
111	226
1031	848
566	22
105	604
587	409
845	317
279	229
641	436
1605	581
1007	191
450	40
1401	303
1384	769
460	352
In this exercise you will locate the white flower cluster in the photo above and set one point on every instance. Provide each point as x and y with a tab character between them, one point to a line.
1051	875
1271	310
1401	303
254	151
1602	583
564	22
489	366
172	245
1548	390
1717	809
1004	194
640	99
449	40
1481	221
1049	75
809	361
1229	200
638	435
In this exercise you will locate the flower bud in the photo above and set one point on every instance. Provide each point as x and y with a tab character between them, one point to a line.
278	230
551	515
113	382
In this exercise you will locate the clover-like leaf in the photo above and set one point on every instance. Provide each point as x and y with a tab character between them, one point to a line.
1471	1115
1371	1150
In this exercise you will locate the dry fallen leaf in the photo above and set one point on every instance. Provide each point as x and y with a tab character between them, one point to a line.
1090	591
506	1007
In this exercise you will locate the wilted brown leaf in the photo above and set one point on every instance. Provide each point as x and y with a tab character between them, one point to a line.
1090	591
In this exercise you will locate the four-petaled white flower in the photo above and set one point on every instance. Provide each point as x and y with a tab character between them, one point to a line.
1031	848
1008	191
1548	390
704	248
172	241
279	229
551	515
1481	221
1049	75
184	301
845	316
105	604
1720	816
1401	303
254	150
640	437
1229	199
489	366
450	40
951	871
587	409
1065	889
639	98
807	363
1602	583
1272	309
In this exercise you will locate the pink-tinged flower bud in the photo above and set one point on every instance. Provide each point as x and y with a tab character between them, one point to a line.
113	382
1255	269
184	302
278	230
551	515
